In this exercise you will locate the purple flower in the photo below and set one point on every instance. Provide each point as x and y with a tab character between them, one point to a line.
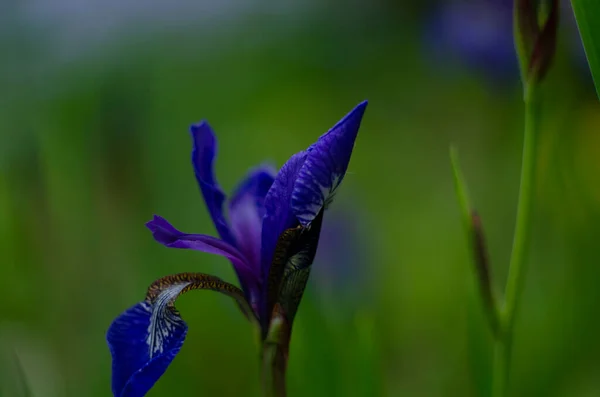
478	33
340	272
269	230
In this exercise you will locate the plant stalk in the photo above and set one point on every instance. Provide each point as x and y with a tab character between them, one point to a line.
518	259
273	370
274	356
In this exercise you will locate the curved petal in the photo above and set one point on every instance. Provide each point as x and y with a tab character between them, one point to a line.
167	235
278	214
325	167
246	210
203	157
140	351
145	339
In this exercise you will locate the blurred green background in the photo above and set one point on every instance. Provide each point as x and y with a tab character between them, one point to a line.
95	103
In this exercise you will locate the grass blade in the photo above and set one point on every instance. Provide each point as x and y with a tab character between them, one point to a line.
587	14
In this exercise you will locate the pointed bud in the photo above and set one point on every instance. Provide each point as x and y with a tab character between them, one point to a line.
475	236
536	37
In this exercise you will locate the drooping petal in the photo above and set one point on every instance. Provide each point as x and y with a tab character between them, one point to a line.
138	359
167	235
246	210
325	166
202	281
278	214
144	340
203	157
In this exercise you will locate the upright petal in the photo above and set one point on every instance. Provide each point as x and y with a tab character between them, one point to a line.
256	184
167	235
145	339
246	210
203	157
278	214
325	167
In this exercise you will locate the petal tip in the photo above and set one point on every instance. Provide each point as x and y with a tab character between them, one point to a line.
162	230
200	127
326	166
362	106
355	114
152	224
203	136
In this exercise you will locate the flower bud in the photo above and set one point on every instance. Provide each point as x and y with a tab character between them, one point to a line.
535	36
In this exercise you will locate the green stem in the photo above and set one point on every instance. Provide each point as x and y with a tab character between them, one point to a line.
274	357
273	371
518	259
500	375
514	285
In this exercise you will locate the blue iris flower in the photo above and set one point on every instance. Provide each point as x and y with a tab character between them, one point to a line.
269	232
341	274
478	33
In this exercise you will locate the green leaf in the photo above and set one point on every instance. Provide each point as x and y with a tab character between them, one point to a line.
587	13
476	244
461	191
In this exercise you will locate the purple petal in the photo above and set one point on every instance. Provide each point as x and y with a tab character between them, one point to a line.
257	184
167	235
145	338
246	211
143	341
203	157
325	166
278	212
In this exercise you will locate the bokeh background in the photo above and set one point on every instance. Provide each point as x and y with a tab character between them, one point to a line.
96	97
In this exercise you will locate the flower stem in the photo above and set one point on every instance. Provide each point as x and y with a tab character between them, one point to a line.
273	371
518	259
500	376
514	285
274	356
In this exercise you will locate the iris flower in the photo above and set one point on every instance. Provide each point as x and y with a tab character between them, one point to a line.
269	233
478	34
340	274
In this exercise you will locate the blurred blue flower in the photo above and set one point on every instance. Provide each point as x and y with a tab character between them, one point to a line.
341	272
477	33
270	237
